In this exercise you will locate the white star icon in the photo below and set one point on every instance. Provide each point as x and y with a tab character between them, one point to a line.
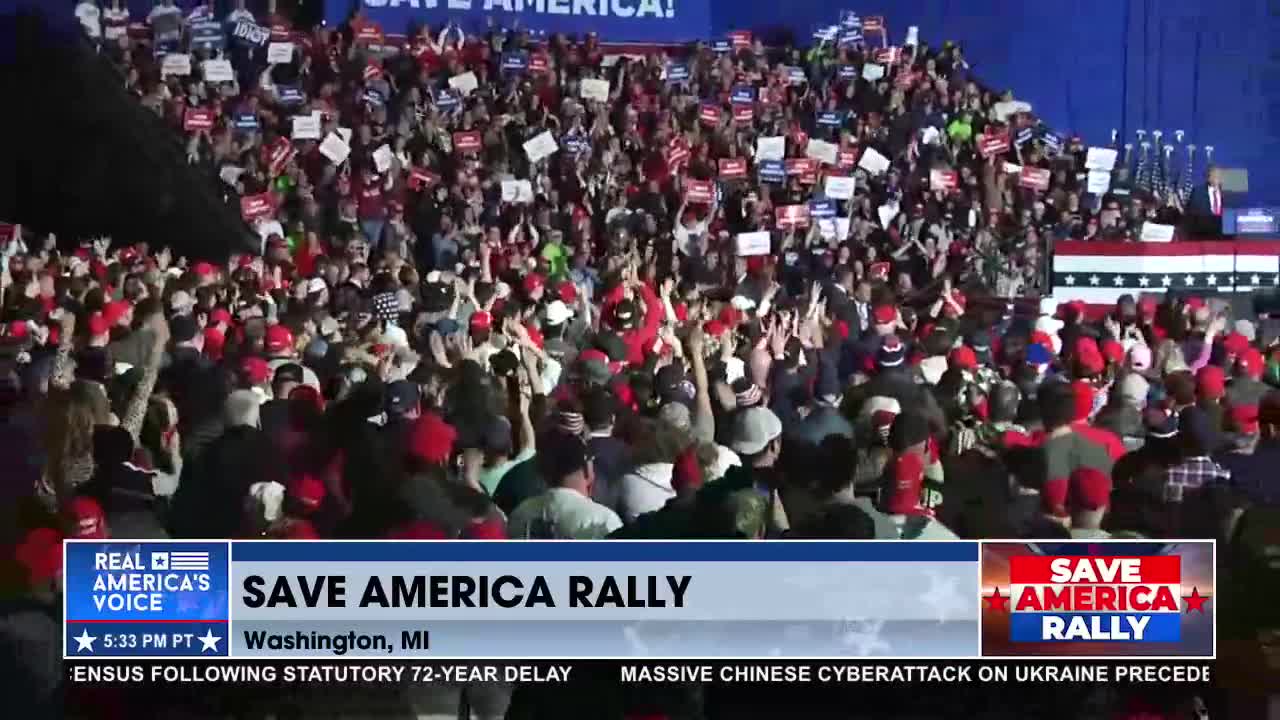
1190	279
1071	279
1094	279
84	641
1254	279
1144	281
209	641
941	596
1166	280
1118	280
1212	280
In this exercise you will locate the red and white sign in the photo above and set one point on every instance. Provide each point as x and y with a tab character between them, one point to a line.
278	155
699	191
1034	178
421	177
879	271
743	113
538	63
801	166
943	180
889	55
733	168
257	206
740	39
709	114
197	119
677	152
468	141
370	33
873	23
993	144
848	159
792	216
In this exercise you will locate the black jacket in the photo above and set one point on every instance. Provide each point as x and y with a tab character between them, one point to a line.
210	499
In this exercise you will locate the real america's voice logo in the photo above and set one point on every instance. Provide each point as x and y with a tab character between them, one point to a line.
1097	599
164	599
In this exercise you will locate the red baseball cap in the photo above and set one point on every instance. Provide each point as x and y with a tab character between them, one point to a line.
480	321
309	491
1211	382
98	325
1113	351
114	311
219	316
1250	362
90	521
255	370
1235	343
532	282
1245	418
963	357
884	314
41	554
278	339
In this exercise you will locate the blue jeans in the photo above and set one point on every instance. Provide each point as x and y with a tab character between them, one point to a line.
372	230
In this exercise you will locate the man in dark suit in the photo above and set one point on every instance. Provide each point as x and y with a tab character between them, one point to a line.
1204	210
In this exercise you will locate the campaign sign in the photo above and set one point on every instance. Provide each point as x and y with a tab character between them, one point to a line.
197	119
721	46
538	63
1098	598
289	94
677	72
822	209
742	94
468	141
743	114
148	599
698	191
847	72
830	118
251	33
733	168
246	121
792	216
709	114
446	100
772	171
515	62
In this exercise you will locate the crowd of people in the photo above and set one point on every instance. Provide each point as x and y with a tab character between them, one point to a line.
447	333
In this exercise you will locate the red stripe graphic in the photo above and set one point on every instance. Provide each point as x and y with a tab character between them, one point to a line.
1106	570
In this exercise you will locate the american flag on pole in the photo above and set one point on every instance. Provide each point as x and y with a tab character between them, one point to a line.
1100	272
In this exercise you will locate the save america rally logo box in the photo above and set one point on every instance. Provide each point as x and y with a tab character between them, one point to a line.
1098	599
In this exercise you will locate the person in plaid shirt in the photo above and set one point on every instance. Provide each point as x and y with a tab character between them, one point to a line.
1197	470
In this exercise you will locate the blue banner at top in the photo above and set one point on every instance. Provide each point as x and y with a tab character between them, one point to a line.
663	21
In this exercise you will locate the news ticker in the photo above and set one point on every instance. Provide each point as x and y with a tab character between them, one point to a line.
391	672
522	600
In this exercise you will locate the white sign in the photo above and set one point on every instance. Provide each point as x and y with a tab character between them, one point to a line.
217	71
840	188
873	162
887	213
913	36
593	89
836	228
1099	182
1155	232
464	83
306	127
1004	109
335	148
872	72
280	52
930	135
517	191
345	134
1012	169
230	174
382	158
753	243
771	148
176	64
823	150
1100	159
540	146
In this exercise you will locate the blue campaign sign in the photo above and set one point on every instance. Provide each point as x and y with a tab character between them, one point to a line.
515	61
148	599
616	20
772	171
830	118
1024	136
721	46
246	121
373	97
446	100
208	34
848	72
796	75
822	208
742	94
677	72
290	94
850	37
